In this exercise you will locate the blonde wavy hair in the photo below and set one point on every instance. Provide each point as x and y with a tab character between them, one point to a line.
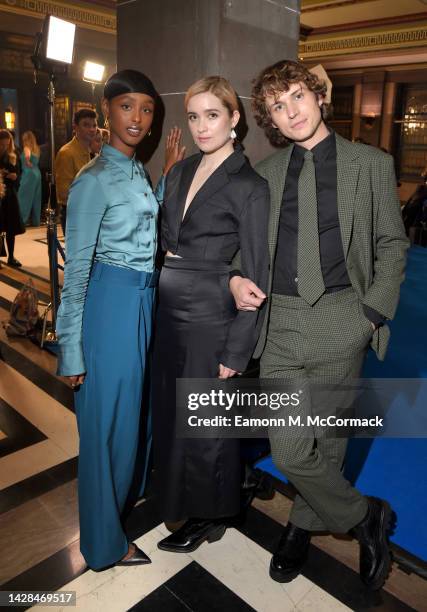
29	140
11	146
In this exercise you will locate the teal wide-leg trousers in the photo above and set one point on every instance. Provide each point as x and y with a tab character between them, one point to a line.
110	406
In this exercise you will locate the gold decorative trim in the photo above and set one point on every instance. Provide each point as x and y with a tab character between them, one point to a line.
360	43
86	18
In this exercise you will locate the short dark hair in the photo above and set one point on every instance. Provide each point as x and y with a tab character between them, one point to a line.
129	81
273	81
84	113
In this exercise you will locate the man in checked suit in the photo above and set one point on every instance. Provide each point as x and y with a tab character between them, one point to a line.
337	257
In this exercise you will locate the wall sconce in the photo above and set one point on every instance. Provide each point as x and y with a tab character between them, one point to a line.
9	119
369	121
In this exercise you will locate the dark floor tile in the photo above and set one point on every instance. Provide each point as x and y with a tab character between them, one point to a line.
4	303
20	432
50	574
161	600
203	592
37	375
65	565
33	487
195	589
12	282
26	272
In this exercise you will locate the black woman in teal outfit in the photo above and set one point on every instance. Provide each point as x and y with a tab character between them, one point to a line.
105	318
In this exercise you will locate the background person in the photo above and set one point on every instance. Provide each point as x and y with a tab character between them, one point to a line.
105	317
71	158
10	218
30	187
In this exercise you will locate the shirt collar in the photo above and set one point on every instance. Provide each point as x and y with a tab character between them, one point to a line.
321	151
125	163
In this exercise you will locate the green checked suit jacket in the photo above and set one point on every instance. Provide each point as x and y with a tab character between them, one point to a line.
371	225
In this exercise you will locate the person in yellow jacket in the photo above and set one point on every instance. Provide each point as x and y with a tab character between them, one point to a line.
73	156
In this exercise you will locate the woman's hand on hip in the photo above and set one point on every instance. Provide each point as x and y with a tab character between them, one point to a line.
225	372
76	381
174	152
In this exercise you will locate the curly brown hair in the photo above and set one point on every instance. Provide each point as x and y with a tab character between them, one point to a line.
273	81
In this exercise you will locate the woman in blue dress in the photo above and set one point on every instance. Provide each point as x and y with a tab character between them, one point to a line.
30	188
105	317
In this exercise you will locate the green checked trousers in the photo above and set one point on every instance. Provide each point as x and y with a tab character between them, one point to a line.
324	343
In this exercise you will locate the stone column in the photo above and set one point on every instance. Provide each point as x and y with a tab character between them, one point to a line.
177	42
357	105
388	115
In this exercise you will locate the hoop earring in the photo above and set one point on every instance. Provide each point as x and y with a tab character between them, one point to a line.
233	134
106	124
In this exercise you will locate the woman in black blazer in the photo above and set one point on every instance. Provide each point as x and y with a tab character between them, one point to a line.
215	205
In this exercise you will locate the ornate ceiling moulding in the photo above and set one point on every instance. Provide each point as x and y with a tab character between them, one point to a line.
361	43
84	17
398	20
309	6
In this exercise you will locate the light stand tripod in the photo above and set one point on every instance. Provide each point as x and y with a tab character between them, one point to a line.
49	335
53	53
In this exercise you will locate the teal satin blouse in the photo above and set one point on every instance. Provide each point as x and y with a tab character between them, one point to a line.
111	218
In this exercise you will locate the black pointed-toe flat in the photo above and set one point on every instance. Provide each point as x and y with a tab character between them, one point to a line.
138	558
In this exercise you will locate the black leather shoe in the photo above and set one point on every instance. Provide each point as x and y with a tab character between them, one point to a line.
193	533
291	554
256	484
375	557
13	262
138	558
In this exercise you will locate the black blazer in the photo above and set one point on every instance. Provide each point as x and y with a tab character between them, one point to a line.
229	213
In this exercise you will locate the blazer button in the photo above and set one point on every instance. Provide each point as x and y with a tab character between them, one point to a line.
296	279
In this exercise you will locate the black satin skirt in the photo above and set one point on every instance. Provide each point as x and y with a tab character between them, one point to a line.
193	477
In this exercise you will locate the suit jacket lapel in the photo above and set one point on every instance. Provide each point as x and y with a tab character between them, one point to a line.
215	182
187	175
276	176
347	178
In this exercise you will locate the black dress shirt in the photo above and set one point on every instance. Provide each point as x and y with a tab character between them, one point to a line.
335	277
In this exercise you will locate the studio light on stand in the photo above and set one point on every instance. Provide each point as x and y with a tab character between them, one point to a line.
93	73
53	54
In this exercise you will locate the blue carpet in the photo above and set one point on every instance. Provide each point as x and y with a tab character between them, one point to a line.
395	469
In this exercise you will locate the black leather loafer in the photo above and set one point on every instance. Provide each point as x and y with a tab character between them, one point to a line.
291	554
191	535
375	556
138	558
